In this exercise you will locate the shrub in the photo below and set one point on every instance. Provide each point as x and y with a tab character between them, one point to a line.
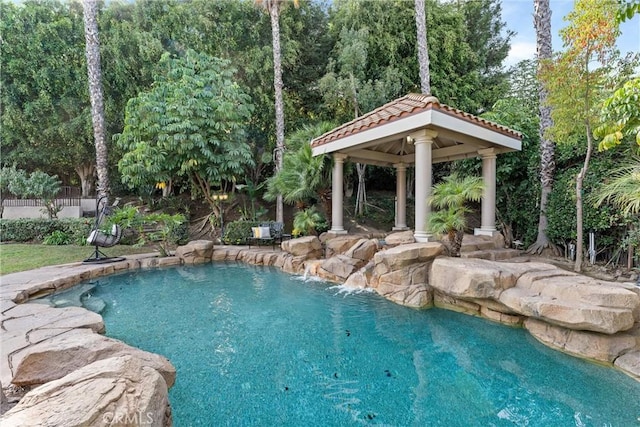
58	237
36	230
161	228
237	232
606	220
308	221
28	230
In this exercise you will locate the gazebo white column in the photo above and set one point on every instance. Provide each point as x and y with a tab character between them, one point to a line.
337	194
422	141
401	197
488	219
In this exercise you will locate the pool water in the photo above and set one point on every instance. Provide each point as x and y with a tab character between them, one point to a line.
255	346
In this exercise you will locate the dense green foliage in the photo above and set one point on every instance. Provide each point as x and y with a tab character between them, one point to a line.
37	230
190	125
239	232
308	222
162	229
605	220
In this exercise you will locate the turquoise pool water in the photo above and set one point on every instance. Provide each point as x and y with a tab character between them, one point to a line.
254	346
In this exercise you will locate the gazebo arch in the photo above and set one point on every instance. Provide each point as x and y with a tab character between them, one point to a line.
416	130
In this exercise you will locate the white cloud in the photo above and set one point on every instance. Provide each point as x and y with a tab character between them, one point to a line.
520	50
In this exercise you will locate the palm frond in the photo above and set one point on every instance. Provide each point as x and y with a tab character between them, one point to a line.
622	190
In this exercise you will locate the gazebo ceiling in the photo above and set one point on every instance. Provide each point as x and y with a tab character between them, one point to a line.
383	136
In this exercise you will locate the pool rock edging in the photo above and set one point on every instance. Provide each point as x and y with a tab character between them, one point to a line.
53	358
585	317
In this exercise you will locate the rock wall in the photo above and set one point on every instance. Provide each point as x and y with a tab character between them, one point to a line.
585	317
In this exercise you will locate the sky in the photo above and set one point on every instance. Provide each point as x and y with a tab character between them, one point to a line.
518	14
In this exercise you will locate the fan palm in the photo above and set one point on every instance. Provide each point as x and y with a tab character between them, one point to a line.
623	190
303	177
306	221
450	197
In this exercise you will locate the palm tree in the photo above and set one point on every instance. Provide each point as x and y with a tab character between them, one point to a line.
306	222
450	197
423	47
90	14
623	190
542	23
303	177
273	7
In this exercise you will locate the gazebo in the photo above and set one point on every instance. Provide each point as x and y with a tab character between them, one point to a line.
416	130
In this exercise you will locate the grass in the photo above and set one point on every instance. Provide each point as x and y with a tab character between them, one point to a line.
16	257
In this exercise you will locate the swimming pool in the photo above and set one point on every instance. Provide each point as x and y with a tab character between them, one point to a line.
255	346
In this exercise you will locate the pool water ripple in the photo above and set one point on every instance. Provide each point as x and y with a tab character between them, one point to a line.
254	346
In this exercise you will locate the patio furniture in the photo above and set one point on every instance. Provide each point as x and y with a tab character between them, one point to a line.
272	232
101	239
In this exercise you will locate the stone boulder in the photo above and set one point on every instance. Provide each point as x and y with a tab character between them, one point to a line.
401	256
339	268
4	402
401	274
340	244
312	266
361	279
537	290
399	238
592	345
60	355
292	264
569	313
407	286
28	324
308	247
477	278
630	363
195	252
573	301
226	253
116	391
363	250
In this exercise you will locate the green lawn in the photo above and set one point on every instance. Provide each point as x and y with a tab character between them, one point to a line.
20	257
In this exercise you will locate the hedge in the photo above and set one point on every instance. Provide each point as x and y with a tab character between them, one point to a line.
36	230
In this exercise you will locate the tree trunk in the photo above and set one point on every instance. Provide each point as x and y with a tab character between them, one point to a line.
90	13
86	172
324	195
457	243
423	47
361	195
542	23
274	13
579	211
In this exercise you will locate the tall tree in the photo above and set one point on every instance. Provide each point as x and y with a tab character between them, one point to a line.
94	71
575	85
467	47
423	47
273	8
45	115
542	23
190	124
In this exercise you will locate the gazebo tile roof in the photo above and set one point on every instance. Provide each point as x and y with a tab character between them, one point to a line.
410	104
